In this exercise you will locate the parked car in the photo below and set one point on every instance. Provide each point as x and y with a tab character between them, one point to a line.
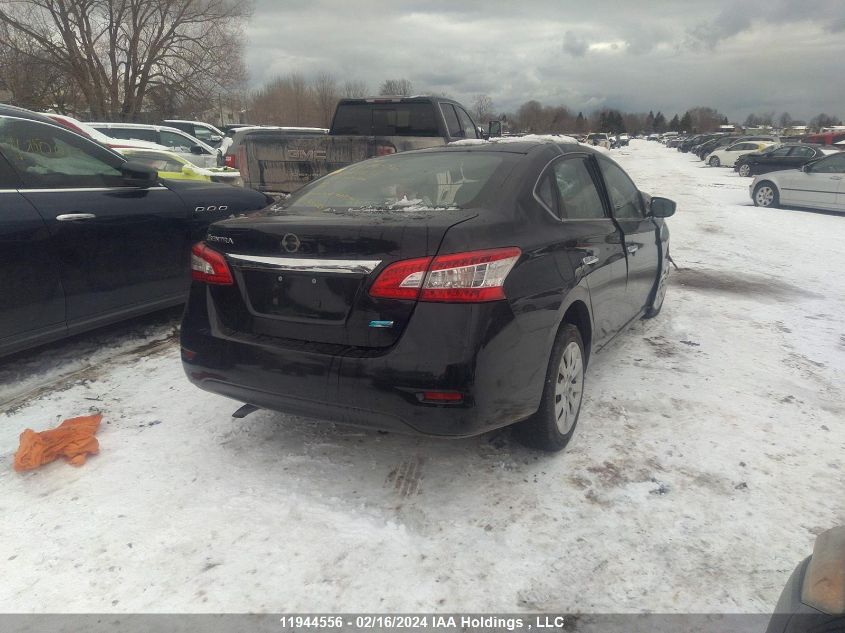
623	139
778	157
205	132
726	157
817	185
89	238
86	130
185	145
361	129
171	166
599	139
653	137
234	149
446	291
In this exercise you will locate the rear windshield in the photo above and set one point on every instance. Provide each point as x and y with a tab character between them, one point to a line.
389	119
403	183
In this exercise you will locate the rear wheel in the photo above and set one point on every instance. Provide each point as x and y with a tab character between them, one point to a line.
745	170
551	428
766	195
714	161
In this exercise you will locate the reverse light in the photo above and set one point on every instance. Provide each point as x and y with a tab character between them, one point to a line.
209	266
471	277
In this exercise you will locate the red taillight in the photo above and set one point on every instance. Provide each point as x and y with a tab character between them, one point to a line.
231	161
456	278
442	397
401	280
209	266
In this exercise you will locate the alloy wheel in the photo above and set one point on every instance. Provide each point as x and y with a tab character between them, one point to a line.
569	388
745	170
764	196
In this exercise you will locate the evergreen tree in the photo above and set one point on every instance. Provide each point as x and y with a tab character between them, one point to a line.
659	122
675	123
686	122
649	122
580	123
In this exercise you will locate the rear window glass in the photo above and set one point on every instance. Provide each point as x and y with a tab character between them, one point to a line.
399	119
442	180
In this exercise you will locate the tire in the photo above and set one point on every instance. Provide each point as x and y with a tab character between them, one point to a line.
563	393
659	291
714	161
745	170
766	195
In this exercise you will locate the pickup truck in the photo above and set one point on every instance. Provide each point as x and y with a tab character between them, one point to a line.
361	129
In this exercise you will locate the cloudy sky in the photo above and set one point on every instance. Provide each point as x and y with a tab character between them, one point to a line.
738	56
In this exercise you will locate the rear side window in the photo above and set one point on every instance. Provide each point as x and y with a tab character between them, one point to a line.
805	152
130	133
46	156
403	184
624	195
399	119
467	125
452	124
577	194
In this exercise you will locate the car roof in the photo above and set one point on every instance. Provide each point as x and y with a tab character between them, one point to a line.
515	145
22	113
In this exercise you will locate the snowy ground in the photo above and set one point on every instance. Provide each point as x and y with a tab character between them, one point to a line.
708	456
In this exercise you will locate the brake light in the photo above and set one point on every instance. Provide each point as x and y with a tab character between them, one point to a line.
209	266
230	160
456	278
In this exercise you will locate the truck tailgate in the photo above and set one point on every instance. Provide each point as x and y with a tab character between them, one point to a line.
286	164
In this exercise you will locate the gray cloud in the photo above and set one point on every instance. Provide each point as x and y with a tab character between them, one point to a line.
758	55
574	45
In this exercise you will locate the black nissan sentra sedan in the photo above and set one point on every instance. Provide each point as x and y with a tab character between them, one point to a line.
446	292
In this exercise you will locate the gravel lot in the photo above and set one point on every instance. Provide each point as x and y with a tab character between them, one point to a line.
707	458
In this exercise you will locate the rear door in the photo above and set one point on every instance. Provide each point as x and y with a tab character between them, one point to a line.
639	234
776	159
591	243
31	296
118	248
817	187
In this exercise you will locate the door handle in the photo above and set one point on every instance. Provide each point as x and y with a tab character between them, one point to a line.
589	260
633	248
70	217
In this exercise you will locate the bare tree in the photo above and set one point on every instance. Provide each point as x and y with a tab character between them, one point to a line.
325	95
119	51
397	87
354	89
482	109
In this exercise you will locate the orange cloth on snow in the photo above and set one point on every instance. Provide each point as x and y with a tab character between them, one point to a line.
73	439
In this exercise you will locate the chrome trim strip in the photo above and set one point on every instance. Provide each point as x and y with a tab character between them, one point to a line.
89	189
293	264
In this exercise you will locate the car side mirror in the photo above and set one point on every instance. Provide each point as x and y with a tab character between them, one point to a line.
807	168
661	207
494	129
197	149
139	175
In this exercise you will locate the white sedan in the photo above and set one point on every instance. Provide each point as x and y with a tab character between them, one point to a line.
817	185
726	157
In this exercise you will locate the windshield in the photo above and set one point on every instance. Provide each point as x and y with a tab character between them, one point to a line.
439	180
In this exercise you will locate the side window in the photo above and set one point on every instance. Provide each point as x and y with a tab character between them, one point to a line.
803	152
453	126
831	165
577	194
546	192
8	177
624	196
202	133
467	124
49	157
783	151
130	133
175	141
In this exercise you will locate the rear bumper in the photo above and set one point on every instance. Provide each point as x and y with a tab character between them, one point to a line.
478	350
